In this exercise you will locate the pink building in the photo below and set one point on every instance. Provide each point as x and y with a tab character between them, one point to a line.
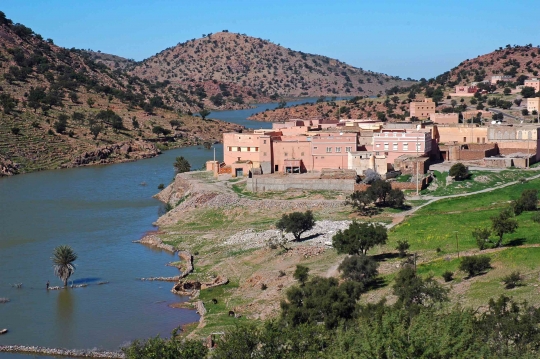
394	143
330	150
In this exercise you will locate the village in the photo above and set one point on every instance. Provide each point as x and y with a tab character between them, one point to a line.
334	154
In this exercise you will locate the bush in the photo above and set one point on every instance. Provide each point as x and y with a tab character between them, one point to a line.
301	273
475	265
402	247
359	268
458	171
536	217
15	130
181	165
161	186
448	276
481	235
165	348
513	280
264	286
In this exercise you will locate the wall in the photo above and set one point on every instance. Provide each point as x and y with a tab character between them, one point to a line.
462	134
422	109
445	118
283	183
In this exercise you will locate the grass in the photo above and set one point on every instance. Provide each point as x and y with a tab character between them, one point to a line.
479	180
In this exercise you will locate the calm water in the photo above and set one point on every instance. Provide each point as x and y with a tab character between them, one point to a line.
98	211
239	116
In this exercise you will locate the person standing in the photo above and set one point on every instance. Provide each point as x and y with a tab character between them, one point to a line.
48	285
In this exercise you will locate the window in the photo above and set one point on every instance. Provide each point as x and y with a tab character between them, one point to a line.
249	149
394	146
328	149
348	149
386	146
286	154
405	146
264	153
264	141
238	149
230	148
377	153
256	149
418	146
378	144
338	149
315	147
301	153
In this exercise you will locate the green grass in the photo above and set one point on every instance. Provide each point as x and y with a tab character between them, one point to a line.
404	178
435	225
489	179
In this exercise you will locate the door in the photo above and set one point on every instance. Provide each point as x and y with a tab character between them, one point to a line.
239	172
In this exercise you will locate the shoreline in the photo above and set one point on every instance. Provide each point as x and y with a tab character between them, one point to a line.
78	353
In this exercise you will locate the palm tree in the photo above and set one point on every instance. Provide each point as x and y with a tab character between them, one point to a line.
63	258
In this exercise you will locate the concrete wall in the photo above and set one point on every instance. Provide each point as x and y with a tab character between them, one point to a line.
445	118
263	183
462	134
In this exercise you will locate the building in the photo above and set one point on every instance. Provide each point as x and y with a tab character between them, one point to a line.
360	161
422	109
534	83
394	143
445	118
533	104
497	78
465	91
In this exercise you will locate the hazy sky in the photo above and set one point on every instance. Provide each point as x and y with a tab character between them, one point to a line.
398	37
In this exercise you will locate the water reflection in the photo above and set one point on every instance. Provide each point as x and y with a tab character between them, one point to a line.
65	308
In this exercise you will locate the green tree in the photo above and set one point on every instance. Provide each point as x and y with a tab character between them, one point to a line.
74	97
503	223
95	130
396	198
90	101
181	165
412	290
61	124
525	112
158	130
528	92
359	268
526	202
78	117
204	113
301	273
15	130
402	247
458	171
379	190
359	238
481	235
507	91
8	103
175	124
63	258
166	349
360	201
475	265
296	223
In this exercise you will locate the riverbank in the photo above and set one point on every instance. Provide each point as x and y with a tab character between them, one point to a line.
73	353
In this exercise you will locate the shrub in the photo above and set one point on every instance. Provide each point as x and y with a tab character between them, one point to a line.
15	130
264	286
448	276
359	268
475	265
402	247
181	165
481	235
458	171
536	217
301	273
513	280
161	186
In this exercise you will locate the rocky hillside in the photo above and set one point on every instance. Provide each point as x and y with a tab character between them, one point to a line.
515	61
111	61
61	109
227	68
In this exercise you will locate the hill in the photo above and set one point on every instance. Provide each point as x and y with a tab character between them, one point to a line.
227	68
111	61
61	109
515	61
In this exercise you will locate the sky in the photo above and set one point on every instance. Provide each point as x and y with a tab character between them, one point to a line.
410	38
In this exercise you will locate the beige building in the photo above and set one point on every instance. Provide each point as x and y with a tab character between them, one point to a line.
445	118
533	104
422	109
360	161
534	83
497	78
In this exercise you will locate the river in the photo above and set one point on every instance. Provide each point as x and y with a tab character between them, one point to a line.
98	211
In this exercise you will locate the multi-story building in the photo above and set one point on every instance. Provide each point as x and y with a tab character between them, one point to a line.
533	104
534	83
422	109
394	143
497	78
465	91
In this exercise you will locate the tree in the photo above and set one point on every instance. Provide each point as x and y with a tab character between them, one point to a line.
95	130
517	101
475	265
458	171
481	235
63	258
77	117
166	349
413	291
320	300
175	123
15	130
296	223
526	202
514	279
61	124
528	92
74	97
181	165
8	103
525	112
359	268
402	247
204	113
359	238
301	273
158	130
453	103
396	198
503	223
360	200
507	91
379	190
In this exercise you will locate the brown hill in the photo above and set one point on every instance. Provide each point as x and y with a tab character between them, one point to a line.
514	61
225	68
61	109
111	61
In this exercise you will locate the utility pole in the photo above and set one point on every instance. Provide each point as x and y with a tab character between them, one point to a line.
457	244
417	164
